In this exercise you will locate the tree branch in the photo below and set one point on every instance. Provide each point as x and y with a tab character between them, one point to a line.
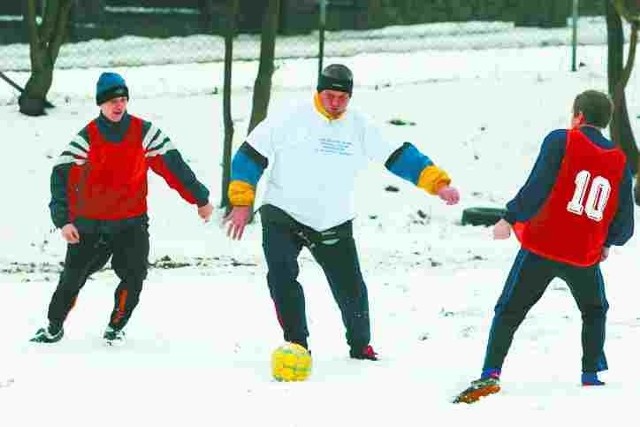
32	25
60	29
49	18
630	16
631	55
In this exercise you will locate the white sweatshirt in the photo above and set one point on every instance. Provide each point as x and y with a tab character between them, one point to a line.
314	162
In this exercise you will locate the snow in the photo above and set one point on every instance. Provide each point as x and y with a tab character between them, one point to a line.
199	343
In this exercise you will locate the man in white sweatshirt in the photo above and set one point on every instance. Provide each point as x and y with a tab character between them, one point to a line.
316	150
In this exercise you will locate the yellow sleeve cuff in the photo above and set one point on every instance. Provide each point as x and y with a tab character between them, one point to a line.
241	193
432	179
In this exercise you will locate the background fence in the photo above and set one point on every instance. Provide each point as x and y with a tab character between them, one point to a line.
110	32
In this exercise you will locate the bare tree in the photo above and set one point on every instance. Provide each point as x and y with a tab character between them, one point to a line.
619	74
262	85
229	35
45	40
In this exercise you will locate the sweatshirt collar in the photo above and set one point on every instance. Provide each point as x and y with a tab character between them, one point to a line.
114	131
320	109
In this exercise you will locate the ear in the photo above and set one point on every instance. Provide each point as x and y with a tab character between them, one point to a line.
578	120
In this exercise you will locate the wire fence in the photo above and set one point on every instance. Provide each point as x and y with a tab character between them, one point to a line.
113	33
131	51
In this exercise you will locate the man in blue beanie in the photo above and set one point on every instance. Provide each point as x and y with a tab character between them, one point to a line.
99	201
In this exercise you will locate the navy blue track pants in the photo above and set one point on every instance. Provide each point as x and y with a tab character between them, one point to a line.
335	251
529	277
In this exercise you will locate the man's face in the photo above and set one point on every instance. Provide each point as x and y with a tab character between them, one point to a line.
334	101
115	108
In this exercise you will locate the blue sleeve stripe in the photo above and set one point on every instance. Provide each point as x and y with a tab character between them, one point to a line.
408	162
246	167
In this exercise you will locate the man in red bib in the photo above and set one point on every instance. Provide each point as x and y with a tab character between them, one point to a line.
576	203
99	201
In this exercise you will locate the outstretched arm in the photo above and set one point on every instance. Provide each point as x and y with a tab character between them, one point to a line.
247	167
410	164
165	160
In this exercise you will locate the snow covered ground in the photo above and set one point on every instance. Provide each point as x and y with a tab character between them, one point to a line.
200	341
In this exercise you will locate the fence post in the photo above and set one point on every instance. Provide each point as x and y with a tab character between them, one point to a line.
321	26
574	35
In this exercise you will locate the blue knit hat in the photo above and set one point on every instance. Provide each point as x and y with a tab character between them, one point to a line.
110	85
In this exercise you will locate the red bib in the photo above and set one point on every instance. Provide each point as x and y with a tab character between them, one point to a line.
573	223
112	184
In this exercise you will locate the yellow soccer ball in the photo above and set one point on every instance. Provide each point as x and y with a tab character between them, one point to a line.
291	362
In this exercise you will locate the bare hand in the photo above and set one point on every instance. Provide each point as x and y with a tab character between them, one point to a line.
205	212
605	254
449	194
70	234
501	230
237	219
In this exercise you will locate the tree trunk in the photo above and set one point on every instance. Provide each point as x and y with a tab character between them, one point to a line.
630	11
229	35
262	85
620	127
45	40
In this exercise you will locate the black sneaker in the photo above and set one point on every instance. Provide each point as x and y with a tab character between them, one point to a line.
113	337
48	335
363	353
478	389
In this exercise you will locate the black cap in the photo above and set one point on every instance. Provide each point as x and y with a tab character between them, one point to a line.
336	77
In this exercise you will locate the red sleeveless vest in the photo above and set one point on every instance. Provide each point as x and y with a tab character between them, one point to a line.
573	223
112	184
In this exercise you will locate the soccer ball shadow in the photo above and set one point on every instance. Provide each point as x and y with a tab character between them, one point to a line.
291	362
